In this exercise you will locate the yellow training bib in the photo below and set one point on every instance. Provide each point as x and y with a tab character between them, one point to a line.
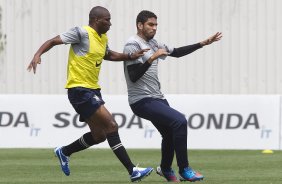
83	71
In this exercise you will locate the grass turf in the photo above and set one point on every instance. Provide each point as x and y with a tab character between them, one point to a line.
30	166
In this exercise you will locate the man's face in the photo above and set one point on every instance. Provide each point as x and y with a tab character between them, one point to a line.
104	22
149	28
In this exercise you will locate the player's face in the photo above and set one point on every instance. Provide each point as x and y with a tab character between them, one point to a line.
104	23
149	28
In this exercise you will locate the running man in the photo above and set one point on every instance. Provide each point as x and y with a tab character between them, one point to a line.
148	102
89	46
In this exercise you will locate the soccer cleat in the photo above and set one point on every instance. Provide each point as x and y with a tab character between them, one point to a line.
139	173
64	160
189	174
168	175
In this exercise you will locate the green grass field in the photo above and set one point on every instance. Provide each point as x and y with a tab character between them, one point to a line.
30	166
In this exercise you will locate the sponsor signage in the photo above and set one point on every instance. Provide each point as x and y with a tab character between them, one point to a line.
214	121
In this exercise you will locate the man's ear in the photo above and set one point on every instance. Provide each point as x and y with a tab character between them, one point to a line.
97	20
140	25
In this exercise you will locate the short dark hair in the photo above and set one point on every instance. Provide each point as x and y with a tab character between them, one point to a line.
144	15
96	12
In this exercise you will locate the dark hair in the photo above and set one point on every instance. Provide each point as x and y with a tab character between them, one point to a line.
144	15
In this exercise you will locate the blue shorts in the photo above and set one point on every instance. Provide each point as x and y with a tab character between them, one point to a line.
85	101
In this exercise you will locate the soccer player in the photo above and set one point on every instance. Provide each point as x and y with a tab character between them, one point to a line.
148	102
89	46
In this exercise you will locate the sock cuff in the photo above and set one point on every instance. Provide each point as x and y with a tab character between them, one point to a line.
87	140
114	140
116	146
83	142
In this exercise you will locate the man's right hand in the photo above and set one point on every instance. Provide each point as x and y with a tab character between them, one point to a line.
157	54
33	64
44	48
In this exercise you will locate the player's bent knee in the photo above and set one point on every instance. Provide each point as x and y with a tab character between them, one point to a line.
112	127
183	121
179	123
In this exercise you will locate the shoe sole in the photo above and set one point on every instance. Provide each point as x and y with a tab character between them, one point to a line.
199	179
138	180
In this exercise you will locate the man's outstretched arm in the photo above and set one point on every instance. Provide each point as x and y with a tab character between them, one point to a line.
44	48
183	51
115	56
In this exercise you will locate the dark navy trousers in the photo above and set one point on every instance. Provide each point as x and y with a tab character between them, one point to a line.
171	124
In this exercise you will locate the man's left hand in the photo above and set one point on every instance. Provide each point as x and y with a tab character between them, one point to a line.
214	38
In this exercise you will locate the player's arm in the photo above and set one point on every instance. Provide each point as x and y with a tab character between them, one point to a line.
183	51
44	48
136	71
115	56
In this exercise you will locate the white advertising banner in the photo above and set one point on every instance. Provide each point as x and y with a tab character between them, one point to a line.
231	121
214	121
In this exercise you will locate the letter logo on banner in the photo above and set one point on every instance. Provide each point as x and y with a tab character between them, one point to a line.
59	117
148	132
232	121
65	122
252	120
34	131
191	121
131	122
265	133
217	124
21	119
9	121
121	120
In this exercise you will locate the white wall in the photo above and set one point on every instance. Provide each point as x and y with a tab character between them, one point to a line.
246	61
